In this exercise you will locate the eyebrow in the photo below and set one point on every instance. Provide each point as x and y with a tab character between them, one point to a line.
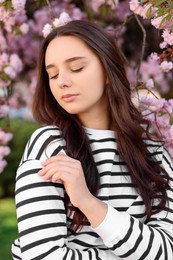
66	61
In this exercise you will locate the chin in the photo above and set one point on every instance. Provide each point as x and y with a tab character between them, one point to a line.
72	111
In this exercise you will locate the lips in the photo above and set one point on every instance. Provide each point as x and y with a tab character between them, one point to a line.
69	97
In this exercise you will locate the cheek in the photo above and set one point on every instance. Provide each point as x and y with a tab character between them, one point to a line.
54	91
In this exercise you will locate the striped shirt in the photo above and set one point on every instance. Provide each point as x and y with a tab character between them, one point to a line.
44	226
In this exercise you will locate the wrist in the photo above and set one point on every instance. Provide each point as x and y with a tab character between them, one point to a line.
94	209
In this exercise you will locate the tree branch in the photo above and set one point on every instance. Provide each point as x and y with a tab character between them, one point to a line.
50	10
143	47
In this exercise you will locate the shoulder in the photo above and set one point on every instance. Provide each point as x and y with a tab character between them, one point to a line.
159	152
44	141
155	148
45	131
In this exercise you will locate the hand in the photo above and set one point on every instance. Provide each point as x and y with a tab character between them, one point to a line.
64	169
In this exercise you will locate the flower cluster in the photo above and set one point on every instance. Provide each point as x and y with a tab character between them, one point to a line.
10	67
159	112
161	18
13	17
62	20
95	5
5	137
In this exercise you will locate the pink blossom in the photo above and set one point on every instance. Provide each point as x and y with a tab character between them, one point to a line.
143	10
95	4
154	56
157	21
153	104
14	101
4	151
40	16
134	4
3	42
9	22
3	59
169	106
56	22
3	14
77	14
10	72
169	135
40	19
163	45
5	137
16	63
149	116
136	7
24	28
163	120
46	30
4	110
168	36
3	164
150	83
166	66
64	18
4	84
33	83
18	4
149	69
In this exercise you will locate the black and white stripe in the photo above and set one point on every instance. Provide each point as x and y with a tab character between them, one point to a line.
44	226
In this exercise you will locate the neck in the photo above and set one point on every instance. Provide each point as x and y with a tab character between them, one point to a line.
100	121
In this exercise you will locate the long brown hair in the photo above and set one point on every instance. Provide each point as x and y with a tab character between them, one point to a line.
147	175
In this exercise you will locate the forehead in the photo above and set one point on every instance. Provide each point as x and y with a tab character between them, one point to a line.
65	47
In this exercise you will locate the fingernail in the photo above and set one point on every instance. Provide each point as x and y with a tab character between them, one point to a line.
43	163
39	173
62	152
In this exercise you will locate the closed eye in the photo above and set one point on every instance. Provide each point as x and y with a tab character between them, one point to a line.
54	77
77	70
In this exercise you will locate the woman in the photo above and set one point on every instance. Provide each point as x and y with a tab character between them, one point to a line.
91	184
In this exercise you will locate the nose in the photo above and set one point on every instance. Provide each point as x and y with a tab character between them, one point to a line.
63	80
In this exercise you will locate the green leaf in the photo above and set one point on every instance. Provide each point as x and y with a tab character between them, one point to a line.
167	17
142	1
170	3
105	10
4	76
161	12
7	4
148	13
159	2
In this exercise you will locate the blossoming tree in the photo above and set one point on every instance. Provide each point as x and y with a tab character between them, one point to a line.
21	25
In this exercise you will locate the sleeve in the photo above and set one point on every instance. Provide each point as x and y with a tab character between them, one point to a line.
42	218
135	240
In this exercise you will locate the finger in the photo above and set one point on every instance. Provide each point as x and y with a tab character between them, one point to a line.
58	157
62	165
53	168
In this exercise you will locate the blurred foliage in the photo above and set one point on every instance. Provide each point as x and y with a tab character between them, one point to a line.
22	131
8	227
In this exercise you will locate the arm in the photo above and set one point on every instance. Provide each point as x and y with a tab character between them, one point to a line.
135	240
40	209
124	235
42	219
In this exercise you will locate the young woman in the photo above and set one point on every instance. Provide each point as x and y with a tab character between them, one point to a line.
91	184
